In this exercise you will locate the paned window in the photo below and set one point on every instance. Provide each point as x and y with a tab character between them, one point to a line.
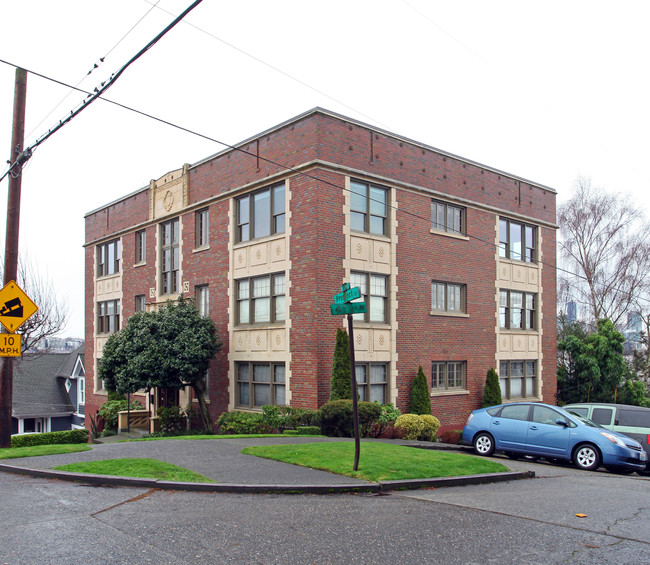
518	379
374	292
517	310
259	384
368	208
139	303
201	228
517	241
108	316
371	381
81	391
448	375
140	246
448	297
108	258
445	217
202	299
170	256
261	299
261	213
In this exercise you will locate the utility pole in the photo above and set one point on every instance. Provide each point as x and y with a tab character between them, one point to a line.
16	160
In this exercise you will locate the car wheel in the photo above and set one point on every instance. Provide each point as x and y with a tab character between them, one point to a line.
586	457
619	470
484	444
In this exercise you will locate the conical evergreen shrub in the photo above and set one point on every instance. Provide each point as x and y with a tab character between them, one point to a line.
492	391
340	383
420	397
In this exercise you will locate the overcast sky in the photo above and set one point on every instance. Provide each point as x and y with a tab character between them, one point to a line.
548	91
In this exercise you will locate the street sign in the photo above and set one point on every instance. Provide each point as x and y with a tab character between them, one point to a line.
347	295
10	345
15	306
351	308
345	286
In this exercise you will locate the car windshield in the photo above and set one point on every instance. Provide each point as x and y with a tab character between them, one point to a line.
583	419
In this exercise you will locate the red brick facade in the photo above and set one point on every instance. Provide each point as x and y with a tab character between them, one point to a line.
316	155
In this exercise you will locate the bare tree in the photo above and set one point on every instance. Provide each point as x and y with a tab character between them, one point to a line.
52	314
605	240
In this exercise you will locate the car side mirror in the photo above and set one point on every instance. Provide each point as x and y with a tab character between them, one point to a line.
561	422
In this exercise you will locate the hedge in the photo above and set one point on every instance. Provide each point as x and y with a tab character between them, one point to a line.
49	438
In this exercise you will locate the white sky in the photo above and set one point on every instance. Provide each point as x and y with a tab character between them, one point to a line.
548	91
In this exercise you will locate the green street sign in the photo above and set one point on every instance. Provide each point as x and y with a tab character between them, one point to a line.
345	286
347	295
351	308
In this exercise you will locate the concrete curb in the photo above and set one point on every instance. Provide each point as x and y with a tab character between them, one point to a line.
372	488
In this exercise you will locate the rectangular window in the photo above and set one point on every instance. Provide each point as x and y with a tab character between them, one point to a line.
108	316
448	375
261	299
169	256
81	391
448	297
445	217
371	381
368	208
374	292
140	247
201	228
517	241
108	258
202	299
139	303
518	379
259	384
261	213
517	310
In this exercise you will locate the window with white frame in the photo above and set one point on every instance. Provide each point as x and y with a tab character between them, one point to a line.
517	310
518	379
140	247
81	391
108	316
517	241
109	255
448	375
368	208
374	292
261	213
447	217
201	228
202	299
371	381
169	256
140	304
448	297
259	384
261	300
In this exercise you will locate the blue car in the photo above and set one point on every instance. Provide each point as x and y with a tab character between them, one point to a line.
541	430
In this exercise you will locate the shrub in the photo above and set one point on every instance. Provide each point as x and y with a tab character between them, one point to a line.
49	438
341	383
420	397
280	417
492	390
431	427
336	418
108	412
303	431
172	419
309	418
388	413
410	426
242	423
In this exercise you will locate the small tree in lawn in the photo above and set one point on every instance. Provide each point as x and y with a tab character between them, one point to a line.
340	383
171	347
492	391
420	397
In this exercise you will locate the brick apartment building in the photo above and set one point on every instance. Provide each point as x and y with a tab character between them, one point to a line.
455	260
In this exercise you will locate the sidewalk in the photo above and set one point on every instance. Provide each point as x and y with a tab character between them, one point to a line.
222	461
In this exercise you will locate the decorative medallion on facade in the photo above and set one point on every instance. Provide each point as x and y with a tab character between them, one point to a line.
169	200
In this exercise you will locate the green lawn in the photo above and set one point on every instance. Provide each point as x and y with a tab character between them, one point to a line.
378	461
35	450
142	468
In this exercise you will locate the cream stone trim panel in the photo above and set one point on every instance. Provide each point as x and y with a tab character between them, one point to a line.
169	194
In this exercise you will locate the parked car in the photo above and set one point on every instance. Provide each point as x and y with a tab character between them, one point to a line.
632	421
541	430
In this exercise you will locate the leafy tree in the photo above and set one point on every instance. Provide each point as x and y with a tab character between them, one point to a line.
633	391
492	390
420	397
171	347
591	366
341	383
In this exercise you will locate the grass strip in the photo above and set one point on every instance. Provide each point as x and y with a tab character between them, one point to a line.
137	467
36	450
378	461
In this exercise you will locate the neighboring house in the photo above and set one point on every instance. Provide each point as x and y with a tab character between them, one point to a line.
48	392
455	261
